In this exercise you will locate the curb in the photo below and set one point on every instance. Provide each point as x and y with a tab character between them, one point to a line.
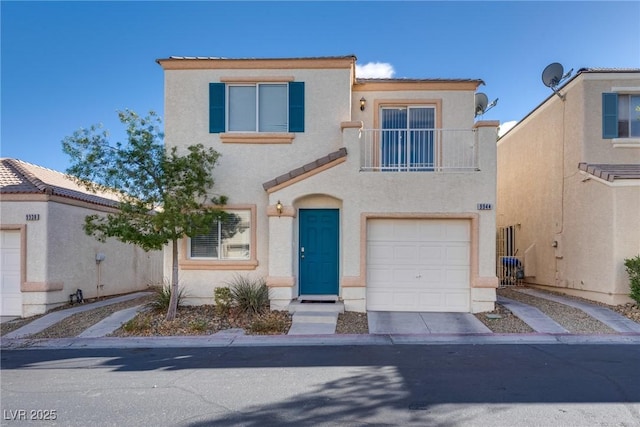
238	340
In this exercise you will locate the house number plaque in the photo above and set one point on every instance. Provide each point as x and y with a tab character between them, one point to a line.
33	217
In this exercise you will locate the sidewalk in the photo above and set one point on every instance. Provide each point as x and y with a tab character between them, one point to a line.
52	318
458	330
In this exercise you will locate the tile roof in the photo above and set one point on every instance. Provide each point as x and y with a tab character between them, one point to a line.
611	172
18	177
309	167
410	80
205	58
608	70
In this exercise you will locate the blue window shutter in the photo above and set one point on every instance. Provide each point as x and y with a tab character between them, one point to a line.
296	107
609	115
216	107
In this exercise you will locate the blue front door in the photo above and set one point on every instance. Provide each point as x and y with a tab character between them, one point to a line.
318	251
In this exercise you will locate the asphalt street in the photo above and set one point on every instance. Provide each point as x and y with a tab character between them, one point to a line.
441	385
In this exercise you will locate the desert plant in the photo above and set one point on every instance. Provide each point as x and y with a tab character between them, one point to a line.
137	324
198	325
223	300
632	266
269	324
162	297
251	296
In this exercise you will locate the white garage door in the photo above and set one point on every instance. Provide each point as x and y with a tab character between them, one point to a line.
10	296
418	265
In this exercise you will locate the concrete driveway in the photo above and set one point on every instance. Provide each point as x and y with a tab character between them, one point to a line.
394	322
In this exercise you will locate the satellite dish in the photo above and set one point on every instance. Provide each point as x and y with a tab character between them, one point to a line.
481	103
553	75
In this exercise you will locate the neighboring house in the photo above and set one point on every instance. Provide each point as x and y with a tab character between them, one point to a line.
378	192
46	255
569	186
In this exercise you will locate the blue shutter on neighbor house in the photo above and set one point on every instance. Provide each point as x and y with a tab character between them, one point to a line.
609	115
296	106
216	107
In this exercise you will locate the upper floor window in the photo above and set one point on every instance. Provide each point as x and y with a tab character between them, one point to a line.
620	115
628	116
257	107
407	138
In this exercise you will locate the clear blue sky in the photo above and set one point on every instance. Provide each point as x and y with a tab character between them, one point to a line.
67	65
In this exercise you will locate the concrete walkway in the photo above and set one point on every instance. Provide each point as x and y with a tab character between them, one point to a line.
111	323
52	318
533	317
614	320
314	318
314	324
386	322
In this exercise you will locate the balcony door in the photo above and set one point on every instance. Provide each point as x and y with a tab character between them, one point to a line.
407	139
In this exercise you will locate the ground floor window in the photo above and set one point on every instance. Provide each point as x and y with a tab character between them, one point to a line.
228	238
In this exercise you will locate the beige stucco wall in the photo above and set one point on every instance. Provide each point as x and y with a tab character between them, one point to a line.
541	191
329	101
244	167
401	195
60	257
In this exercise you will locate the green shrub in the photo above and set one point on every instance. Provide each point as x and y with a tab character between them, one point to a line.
198	325
137	324
268	324
632	266
162	297
223	300
250	296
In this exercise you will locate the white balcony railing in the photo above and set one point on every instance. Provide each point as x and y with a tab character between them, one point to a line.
418	150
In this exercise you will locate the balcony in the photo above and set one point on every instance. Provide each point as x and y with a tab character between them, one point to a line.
418	150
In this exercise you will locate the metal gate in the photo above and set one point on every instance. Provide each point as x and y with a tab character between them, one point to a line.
509	268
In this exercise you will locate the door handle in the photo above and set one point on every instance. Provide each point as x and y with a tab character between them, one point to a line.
302	252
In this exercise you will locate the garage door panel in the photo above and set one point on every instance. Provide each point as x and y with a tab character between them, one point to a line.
430	254
10	294
380	253
457	278
405	254
429	231
457	231
418	265
457	254
379	275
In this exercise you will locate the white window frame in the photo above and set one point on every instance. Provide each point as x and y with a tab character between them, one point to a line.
627	114
256	127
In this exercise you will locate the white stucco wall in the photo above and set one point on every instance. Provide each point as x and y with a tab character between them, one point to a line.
542	192
60	257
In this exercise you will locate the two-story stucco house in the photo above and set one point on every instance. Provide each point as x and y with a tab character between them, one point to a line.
569	186
372	191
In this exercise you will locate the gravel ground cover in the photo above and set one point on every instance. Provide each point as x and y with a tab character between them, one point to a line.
75	324
203	320
502	321
572	319
351	322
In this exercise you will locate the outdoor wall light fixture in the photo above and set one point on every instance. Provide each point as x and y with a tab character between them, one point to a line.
363	102
279	208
